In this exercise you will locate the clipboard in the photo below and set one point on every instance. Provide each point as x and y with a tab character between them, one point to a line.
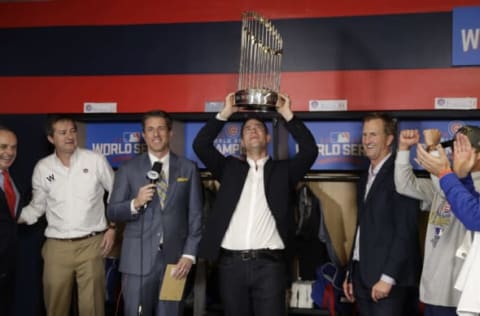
172	289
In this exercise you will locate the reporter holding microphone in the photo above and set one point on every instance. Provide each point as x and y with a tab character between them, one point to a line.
162	218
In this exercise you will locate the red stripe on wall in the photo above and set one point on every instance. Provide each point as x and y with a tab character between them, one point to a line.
112	12
364	90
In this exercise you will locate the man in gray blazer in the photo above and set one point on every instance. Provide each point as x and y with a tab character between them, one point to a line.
158	231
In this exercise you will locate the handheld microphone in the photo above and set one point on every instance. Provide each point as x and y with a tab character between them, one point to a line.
473	134
447	143
153	175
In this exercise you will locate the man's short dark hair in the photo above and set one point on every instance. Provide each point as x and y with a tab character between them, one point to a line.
54	119
389	123
157	113
6	129
256	118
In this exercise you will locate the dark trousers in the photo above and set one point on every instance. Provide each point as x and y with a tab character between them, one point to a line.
433	310
144	290
252	285
7	288
393	305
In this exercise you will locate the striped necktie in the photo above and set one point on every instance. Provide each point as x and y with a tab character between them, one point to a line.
162	187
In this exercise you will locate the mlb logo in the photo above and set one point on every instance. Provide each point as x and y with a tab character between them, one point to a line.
132	137
233	130
454	126
314	105
441	101
340	137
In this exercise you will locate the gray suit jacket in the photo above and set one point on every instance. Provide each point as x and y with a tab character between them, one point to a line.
179	223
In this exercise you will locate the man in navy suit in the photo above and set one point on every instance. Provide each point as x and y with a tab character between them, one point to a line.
384	262
9	211
157	231
250	221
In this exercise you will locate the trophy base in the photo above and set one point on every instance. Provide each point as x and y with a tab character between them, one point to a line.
259	100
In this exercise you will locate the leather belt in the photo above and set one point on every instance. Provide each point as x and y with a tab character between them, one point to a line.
92	234
252	254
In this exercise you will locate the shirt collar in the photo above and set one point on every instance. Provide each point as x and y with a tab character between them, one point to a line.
73	158
258	163
375	170
2	173
165	160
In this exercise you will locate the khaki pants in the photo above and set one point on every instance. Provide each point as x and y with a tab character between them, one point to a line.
66	261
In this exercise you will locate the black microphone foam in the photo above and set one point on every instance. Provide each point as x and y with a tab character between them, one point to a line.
447	143
473	134
154	174
157	166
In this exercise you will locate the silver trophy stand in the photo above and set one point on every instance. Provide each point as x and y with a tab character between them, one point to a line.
260	100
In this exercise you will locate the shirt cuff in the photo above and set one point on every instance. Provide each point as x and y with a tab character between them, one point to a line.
133	210
388	279
29	220
189	257
220	118
445	172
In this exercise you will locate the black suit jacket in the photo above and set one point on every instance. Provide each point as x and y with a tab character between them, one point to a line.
8	233
280	177
388	230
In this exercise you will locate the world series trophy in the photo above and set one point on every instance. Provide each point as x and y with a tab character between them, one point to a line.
260	64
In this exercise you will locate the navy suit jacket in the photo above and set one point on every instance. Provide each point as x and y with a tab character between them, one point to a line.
179	222
280	176
8	232
389	241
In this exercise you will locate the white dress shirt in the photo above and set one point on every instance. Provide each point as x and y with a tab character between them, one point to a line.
252	225
71	197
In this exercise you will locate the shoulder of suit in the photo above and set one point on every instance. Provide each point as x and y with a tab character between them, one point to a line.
174	158
388	165
234	163
135	162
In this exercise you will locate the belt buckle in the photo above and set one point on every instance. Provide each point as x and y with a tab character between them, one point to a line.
246	255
